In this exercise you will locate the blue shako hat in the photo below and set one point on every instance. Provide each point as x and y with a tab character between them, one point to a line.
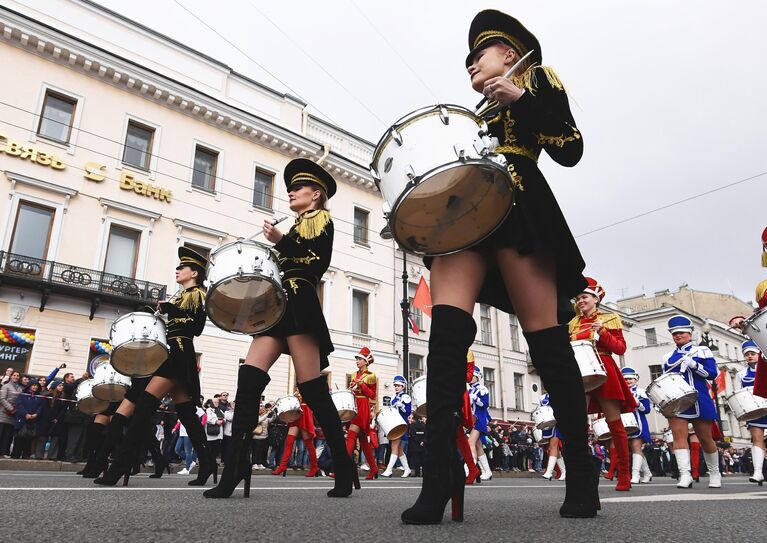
680	323
629	372
750	346
400	380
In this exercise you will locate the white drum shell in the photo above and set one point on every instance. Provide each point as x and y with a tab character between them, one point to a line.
245	294
418	395
672	394
345	404
601	429
139	345
629	423
288	409
86	401
538	437
746	406
109	384
592	370
543	417
756	329
391	423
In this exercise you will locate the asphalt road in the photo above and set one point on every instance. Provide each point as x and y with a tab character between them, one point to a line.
59	506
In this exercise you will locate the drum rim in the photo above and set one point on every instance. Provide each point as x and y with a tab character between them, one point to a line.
138	375
211	259
410	186
407	119
133	313
213	287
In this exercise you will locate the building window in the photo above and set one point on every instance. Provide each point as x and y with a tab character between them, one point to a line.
488	377
204	174
416	313
360	226
519	391
415	366
514	333
486	324
122	251
138	145
16	348
655	372
263	185
32	230
650	337
359	312
199	249
57	117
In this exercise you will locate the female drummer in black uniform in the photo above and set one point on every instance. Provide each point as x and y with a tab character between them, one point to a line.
178	375
304	255
530	266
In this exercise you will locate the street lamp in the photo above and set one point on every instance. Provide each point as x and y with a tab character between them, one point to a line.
706	341
405	305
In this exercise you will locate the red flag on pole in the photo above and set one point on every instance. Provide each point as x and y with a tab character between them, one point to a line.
413	324
422	298
721	382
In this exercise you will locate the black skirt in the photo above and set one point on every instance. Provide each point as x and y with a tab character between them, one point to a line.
181	366
303	315
534	225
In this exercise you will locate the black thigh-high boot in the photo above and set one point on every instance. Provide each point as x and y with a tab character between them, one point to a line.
251	383
187	414
113	435
317	396
452	334
553	358
146	405
153	446
94	437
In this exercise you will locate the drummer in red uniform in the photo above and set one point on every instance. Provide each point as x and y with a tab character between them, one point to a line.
468	449
614	396
304	426
365	388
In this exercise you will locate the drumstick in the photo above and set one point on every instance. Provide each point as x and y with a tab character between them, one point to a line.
273	223
506	76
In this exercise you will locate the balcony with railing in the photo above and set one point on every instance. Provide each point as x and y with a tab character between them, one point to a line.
56	277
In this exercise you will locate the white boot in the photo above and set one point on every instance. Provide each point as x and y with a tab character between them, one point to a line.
390	467
683	463
757	454
484	467
561	464
636	467
549	473
714	476
646	471
405	465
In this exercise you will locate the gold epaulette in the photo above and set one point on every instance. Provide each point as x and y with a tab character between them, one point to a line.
312	224
611	321
574	324
370	379
528	79
191	299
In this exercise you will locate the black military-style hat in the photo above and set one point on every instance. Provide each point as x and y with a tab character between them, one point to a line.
301	171
492	26
193	259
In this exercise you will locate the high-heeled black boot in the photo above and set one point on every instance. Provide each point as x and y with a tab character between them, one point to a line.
94	437
553	358
251	383
317	396
160	464
187	414
453	332
113	435
146	405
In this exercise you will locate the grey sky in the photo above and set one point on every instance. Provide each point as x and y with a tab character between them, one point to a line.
668	95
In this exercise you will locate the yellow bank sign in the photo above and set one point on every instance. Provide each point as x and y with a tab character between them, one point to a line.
94	171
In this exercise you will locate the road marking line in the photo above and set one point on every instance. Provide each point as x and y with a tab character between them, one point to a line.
687	497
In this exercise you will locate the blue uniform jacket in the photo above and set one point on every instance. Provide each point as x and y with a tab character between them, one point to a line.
402	401
480	400
640	414
704	407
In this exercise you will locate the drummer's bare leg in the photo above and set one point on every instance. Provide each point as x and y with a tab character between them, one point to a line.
710	452
757	454
553	456
394	445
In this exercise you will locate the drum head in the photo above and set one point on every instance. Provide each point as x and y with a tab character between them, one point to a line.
452	208
246	305
290	416
346	415
420	410
591	382
92	406
139	358
397	432
111	392
680	404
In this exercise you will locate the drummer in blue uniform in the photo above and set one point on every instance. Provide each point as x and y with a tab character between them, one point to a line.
480	402
640	469
398	446
555	452
697	365
747	377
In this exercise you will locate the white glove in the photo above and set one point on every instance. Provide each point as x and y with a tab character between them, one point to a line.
596	336
688	363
